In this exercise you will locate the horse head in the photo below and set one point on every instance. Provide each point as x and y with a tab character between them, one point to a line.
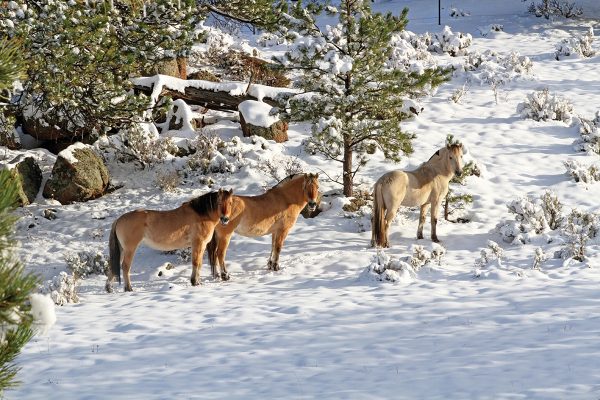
225	204
455	158
311	190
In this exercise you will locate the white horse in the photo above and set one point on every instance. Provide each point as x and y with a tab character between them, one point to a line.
426	186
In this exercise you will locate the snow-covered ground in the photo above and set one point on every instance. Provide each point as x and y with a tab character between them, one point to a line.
324	327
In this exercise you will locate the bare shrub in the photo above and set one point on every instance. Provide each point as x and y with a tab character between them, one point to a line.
582	173
549	8
543	106
168	181
580	45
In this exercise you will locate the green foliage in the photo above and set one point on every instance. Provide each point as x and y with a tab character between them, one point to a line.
458	201
11	65
81	55
264	14
353	95
15	288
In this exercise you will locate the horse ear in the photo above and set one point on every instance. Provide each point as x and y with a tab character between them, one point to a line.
317	175
230	191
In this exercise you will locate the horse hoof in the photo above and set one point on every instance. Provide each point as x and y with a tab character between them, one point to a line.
436	240
128	289
225	277
195	283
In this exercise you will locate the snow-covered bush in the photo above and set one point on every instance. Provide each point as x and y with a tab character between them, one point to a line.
539	258
457	12
210	154
404	269
590	135
281	166
555	7
410	52
532	217
62	288
580	228
543	106
458	94
140	143
582	173
168	181
450	42
492	254
485	30
489	67
85	263
580	45
269	39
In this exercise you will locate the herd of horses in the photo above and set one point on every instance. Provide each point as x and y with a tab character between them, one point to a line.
207	223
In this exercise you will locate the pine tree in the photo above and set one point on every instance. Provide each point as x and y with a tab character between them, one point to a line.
353	94
80	56
15	285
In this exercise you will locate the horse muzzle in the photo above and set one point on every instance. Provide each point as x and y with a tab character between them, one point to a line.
312	206
458	172
224	220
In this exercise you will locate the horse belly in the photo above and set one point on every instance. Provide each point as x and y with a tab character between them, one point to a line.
166	245
415	198
252	230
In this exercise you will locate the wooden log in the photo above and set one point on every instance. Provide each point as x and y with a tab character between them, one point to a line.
213	99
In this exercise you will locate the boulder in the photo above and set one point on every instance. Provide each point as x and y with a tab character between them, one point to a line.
261	119
28	175
79	174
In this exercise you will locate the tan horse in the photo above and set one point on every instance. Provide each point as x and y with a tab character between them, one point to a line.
273	212
191	224
426	186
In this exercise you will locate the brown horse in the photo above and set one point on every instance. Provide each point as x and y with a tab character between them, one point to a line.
426	186
191	224
273	212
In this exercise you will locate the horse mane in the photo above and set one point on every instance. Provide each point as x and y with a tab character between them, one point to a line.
288	178
206	203
437	153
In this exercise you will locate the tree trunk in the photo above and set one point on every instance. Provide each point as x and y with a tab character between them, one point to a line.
347	172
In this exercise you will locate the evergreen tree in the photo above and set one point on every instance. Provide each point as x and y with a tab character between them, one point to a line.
353	91
15	288
264	14
15	285
80	56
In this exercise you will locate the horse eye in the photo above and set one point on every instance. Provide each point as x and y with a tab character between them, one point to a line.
451	157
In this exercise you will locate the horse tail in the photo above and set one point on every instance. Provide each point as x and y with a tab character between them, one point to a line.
211	250
114	247
378	221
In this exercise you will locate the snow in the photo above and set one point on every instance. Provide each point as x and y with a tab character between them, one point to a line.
480	324
258	113
68	155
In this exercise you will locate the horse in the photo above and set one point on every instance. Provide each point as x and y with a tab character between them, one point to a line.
425	186
191	224
274	212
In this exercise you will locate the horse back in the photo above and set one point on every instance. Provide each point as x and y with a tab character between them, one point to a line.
161	230
261	215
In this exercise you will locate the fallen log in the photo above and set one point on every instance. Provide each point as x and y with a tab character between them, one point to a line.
223	96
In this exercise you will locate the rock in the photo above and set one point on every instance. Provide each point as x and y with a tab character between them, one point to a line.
28	175
79	174
260	119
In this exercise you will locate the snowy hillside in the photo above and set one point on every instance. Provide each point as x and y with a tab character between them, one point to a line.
505	312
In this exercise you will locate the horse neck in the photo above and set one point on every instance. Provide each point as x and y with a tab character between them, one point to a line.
436	168
293	191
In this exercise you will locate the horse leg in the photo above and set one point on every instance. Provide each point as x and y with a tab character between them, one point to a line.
389	217
126	265
221	251
435	209
197	253
422	216
276	245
